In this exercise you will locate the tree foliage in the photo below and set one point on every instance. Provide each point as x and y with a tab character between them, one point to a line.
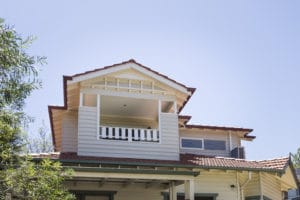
38	181
18	78
296	159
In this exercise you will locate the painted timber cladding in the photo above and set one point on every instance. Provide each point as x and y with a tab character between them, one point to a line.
69	132
215	182
90	145
209	135
271	186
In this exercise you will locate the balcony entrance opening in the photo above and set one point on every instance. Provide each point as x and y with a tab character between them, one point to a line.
132	119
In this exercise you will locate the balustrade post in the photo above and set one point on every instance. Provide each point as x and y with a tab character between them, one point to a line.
129	131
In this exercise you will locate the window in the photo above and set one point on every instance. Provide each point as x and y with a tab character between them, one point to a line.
214	145
202	144
191	143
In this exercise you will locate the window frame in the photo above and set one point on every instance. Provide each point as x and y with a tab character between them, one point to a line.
192	138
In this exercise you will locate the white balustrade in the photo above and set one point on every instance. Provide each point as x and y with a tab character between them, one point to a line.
129	134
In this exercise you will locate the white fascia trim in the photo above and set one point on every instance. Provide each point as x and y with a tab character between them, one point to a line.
127	66
91	75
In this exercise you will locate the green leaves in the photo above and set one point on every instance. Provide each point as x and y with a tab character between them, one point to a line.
19	176
38	181
296	158
18	70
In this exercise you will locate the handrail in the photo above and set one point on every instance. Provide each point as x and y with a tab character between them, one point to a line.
129	134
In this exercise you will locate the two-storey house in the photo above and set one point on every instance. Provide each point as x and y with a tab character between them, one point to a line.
121	131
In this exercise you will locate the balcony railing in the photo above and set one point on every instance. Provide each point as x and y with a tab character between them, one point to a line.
129	134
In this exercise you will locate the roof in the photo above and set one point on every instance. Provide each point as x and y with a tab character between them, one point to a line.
139	64
186	119
186	160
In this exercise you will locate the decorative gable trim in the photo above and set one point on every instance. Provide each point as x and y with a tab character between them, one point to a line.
134	65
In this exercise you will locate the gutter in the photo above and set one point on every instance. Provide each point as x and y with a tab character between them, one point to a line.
133	171
76	162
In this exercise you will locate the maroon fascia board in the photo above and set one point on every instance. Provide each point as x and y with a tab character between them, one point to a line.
192	90
223	128
66	78
218	128
187	118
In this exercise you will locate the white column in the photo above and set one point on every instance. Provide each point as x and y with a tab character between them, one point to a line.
81	99
159	121
172	191
230	141
98	116
189	190
175	107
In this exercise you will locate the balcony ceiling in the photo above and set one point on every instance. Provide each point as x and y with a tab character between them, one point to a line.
129	107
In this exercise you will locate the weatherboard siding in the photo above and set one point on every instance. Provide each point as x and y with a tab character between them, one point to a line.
69	132
271	186
215	182
252	188
90	145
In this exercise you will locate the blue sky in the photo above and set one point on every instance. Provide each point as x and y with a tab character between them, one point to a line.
242	56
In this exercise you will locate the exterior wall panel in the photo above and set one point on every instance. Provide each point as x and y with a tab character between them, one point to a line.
69	132
89	145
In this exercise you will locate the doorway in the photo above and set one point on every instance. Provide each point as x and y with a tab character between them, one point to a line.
94	195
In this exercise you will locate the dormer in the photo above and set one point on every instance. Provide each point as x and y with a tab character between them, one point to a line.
123	110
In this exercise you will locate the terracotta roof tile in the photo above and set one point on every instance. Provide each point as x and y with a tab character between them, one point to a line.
278	164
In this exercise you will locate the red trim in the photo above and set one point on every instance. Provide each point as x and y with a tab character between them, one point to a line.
187	117
218	128
223	128
192	90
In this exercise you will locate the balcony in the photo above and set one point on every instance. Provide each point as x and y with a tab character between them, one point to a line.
129	134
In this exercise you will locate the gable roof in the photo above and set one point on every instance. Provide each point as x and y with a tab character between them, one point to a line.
136	66
55	111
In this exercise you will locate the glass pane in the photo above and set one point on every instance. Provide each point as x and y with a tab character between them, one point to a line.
191	143
214	145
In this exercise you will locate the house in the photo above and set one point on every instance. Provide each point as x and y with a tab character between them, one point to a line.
121	130
295	194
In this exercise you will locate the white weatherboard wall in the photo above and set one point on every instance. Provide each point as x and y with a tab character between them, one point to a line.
69	132
90	145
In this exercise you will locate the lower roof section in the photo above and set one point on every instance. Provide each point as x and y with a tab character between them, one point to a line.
277	165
